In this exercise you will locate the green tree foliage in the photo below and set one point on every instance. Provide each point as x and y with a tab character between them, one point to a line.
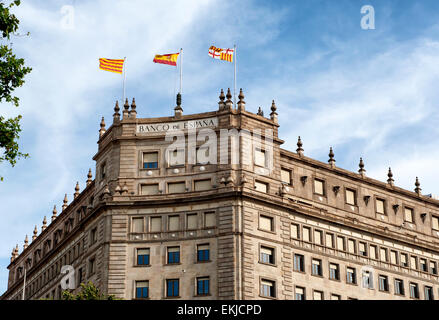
88	292
12	73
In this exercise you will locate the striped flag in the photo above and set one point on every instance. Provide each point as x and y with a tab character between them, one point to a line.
170	59
221	54
112	65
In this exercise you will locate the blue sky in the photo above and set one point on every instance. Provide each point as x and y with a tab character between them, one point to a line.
368	93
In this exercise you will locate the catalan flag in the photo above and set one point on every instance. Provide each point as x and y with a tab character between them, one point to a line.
221	54
170	59
112	65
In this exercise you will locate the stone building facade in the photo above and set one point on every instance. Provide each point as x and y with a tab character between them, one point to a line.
274	225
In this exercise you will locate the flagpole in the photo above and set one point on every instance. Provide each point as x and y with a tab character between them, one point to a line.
124	78
181	69
234	77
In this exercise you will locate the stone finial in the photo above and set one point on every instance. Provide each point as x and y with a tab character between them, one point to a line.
331	155
102	129
44	224
89	176
126	111
241	102
133	112
361	171
76	190
26	243
260	112
299	149
229	102
221	103
65	201
178	110
13	255
390	180
16	251
116	114
54	212
35	233
273	114
124	188
418	186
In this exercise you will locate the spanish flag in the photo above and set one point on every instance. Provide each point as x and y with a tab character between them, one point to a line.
170	59
112	65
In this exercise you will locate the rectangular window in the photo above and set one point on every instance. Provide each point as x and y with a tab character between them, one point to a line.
380	206
143	257
317	295
176	157
203	154
268	288
202	185
335	297
306	234
103	170
94	235
285	176
267	255
150	160
319	187
330	240
373	252
433	267
91	266
435	223
413	263
317	267
260	158
350	197
203	252
149	189
192	221
173	223
176	187
404	260
266	223
393	257
383	254
203	285
173	255
300	293
318	235
137	226
299	263
423	265
261	186
209	219
295	231
362	249
408	214
340	243
383	282
351	276
334	271
351	246
155	224
428	293
367	279
414	290
142	289
399	287
172	287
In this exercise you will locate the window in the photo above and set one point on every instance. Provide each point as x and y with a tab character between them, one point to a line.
340	243
172	288
260	158
261	186
299	263
202	185
300	293
428	293
380	206
176	157
435	223
393	257
423	265
156	224
362	249
192	221
350	197
351	276
399	287
203	286
317	267
306	234
383	282
408	215
143	257
150	160
318	235
373	252
203	252
317	295
334	271
142	289
383	254
103	170
433	267
351	246
173	255
319	187
176	187
335	297
93	235
203	154
138	225
330	240
173	223
149	189
414	290
285	175
413	263
209	219
266	255
404	260
268	288
367	279
91	266
266	223
295	231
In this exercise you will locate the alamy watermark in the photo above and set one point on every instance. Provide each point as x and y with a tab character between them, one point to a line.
368	18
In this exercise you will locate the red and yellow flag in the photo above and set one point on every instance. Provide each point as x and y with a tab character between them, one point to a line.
221	54
112	65
170	59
